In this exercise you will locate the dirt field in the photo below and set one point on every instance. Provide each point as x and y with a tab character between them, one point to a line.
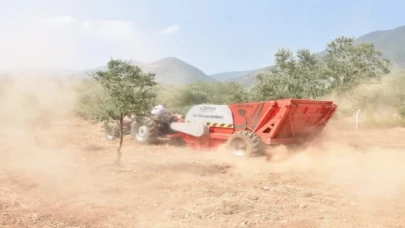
354	181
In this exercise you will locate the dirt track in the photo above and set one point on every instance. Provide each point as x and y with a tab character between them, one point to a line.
70	182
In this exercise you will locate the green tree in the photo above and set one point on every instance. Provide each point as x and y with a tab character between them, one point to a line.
340	68
226	93
348	64
125	90
180	99
298	76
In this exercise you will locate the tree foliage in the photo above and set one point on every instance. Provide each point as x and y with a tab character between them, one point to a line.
180	99
343	66
348	64
123	89
297	76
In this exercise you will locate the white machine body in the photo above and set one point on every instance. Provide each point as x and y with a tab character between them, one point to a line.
206	113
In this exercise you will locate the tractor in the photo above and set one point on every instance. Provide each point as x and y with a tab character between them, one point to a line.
149	129
113	131
146	130
245	128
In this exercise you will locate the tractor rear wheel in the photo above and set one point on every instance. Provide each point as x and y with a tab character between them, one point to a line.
245	144
145	132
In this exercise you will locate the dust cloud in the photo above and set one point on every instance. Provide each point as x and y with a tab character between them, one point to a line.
375	172
29	146
377	101
368	162
372	174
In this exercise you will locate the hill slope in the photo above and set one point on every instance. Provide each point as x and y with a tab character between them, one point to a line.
175	71
390	42
226	76
169	71
249	79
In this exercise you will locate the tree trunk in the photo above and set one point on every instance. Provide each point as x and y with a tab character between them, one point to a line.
119	154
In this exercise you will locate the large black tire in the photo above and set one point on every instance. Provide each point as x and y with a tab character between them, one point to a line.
245	144
145	132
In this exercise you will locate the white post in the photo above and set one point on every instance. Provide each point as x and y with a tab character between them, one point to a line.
357	119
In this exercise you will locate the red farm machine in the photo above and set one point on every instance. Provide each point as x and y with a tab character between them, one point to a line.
247	127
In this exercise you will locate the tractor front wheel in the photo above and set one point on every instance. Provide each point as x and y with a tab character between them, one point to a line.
145	132
245	144
112	132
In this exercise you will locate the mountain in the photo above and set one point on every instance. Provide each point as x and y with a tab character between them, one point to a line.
226	76
169	71
390	42
175	71
248	80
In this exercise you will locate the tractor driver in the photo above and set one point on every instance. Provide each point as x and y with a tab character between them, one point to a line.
128	118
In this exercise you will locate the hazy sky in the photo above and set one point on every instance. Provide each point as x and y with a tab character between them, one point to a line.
213	35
